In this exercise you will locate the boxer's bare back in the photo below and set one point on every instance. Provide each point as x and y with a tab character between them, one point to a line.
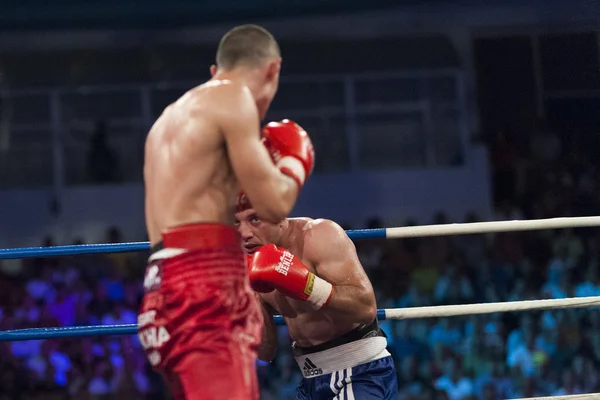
187	171
198	150
207	144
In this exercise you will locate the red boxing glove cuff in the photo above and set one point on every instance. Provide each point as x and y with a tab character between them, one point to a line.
293	168
319	291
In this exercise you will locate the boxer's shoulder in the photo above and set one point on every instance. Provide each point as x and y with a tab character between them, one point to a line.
218	95
231	103
322	239
321	227
225	88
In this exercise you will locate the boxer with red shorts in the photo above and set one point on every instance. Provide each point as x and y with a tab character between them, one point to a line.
200	323
199	320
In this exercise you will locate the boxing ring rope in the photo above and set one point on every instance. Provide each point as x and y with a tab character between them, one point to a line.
382	314
380	233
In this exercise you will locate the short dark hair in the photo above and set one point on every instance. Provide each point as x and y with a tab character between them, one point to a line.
248	45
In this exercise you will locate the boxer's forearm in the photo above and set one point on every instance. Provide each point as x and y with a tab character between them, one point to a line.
268	345
353	302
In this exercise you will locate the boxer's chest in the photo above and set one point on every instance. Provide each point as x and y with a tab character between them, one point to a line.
288	307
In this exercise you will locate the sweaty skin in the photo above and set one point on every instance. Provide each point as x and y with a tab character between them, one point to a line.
326	250
198	153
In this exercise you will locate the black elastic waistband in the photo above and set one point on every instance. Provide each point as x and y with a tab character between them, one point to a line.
360	332
157	247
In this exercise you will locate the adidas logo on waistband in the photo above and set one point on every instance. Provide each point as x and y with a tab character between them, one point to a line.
310	369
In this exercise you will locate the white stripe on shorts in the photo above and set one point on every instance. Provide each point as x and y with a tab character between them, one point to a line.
345	381
166	253
333	382
340	383
349	390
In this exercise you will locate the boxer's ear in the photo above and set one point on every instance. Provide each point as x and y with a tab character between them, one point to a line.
273	69
213	70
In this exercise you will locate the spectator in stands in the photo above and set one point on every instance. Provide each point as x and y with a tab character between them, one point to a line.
457	387
28	313
591	285
432	253
101	304
408	382
501	381
140	377
63	306
40	287
517	336
102	161
408	340
445	333
50	366
118	315
103	384
568	385
546	340
454	287
586	376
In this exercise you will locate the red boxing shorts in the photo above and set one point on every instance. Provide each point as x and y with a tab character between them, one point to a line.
200	322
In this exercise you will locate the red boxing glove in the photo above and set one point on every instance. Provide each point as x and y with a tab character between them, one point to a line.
291	149
274	267
261	287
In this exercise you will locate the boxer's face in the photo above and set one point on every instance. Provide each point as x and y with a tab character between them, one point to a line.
254	231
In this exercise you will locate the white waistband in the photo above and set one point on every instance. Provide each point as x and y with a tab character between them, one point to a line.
341	357
166	253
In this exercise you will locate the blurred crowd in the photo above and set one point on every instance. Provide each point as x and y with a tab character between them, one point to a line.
72	291
493	356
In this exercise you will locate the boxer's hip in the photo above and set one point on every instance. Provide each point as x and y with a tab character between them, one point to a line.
362	345
355	365
195	252
197	296
373	380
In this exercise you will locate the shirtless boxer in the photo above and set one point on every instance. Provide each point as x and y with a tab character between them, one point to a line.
308	271
199	322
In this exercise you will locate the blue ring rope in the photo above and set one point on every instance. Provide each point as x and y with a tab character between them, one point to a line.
98	330
54	251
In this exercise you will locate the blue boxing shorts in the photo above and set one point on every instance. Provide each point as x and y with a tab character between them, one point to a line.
353	366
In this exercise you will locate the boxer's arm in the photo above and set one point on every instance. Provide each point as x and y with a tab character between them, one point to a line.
271	193
269	343
334	256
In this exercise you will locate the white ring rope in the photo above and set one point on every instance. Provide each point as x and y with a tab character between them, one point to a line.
490	308
568	397
494	226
